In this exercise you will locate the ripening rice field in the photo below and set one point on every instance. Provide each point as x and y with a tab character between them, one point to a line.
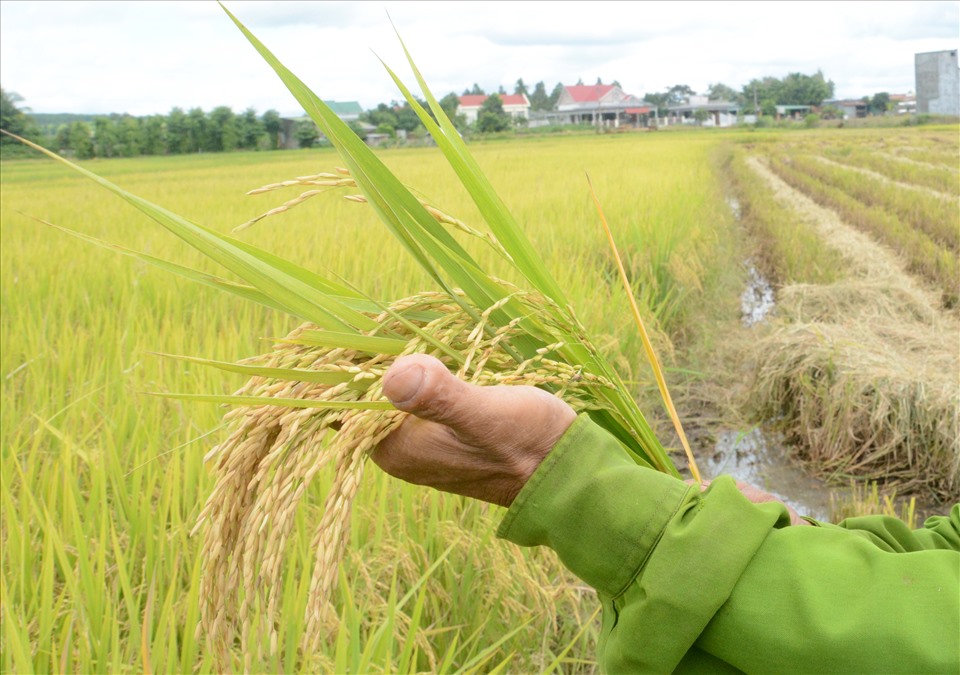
102	483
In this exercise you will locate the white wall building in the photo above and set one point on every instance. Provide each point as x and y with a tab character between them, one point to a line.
515	105
938	83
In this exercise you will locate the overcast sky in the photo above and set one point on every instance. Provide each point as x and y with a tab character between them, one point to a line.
147	57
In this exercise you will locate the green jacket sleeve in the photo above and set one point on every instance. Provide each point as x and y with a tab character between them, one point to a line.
710	582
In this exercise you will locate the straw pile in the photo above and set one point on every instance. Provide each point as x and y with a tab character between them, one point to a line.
864	379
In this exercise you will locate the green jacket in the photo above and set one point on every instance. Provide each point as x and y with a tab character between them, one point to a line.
710	582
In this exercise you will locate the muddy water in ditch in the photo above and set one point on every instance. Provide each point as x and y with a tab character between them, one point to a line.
759	456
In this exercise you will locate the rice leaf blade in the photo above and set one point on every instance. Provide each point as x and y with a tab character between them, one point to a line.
647	345
241	290
292	374
307	302
498	217
365	343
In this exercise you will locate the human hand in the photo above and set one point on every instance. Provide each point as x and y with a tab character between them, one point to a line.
481	442
758	496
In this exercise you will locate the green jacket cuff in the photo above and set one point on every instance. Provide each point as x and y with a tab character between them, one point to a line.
593	505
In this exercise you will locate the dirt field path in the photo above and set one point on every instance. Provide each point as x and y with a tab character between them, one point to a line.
868	259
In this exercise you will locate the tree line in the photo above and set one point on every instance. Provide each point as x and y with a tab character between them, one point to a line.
122	135
221	130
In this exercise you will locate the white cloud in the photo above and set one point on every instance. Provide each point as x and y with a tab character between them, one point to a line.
146	57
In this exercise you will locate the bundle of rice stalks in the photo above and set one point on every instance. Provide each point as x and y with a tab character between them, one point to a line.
316	399
273	452
874	399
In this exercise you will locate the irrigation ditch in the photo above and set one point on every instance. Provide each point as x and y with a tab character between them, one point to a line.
850	380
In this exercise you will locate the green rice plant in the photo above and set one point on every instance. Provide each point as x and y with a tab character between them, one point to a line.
911	168
935	216
316	397
790	250
923	256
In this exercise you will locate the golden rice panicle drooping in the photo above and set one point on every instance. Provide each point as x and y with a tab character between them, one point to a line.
272	454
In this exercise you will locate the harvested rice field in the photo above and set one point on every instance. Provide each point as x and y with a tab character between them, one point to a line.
101	485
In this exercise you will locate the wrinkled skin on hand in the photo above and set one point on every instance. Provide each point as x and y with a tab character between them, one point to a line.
481	442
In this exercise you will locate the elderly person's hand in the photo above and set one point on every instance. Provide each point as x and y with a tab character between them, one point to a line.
482	442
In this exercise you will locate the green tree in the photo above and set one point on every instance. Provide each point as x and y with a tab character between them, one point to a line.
177	131
449	104
555	95
679	94
81	140
196	130
406	118
659	101
222	135
271	126
153	135
476	91
129	138
381	115
721	92
14	119
307	133
701	116
61	139
800	89
880	103
491	117
520	88
539	100
249	130
756	92
104	137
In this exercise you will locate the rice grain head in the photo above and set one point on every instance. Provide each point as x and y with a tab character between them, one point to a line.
273	453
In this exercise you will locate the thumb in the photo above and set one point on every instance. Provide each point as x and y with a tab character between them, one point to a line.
422	385
514	416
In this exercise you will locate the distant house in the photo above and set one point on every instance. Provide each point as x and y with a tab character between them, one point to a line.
601	105
515	105
712	113
348	111
850	108
903	104
793	111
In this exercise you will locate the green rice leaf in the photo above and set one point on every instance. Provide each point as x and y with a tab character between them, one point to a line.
400	210
308	277
241	290
335	340
292	374
306	301
494	211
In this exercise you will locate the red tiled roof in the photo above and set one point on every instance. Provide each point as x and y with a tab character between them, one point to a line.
588	93
471	100
514	99
476	100
636	111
